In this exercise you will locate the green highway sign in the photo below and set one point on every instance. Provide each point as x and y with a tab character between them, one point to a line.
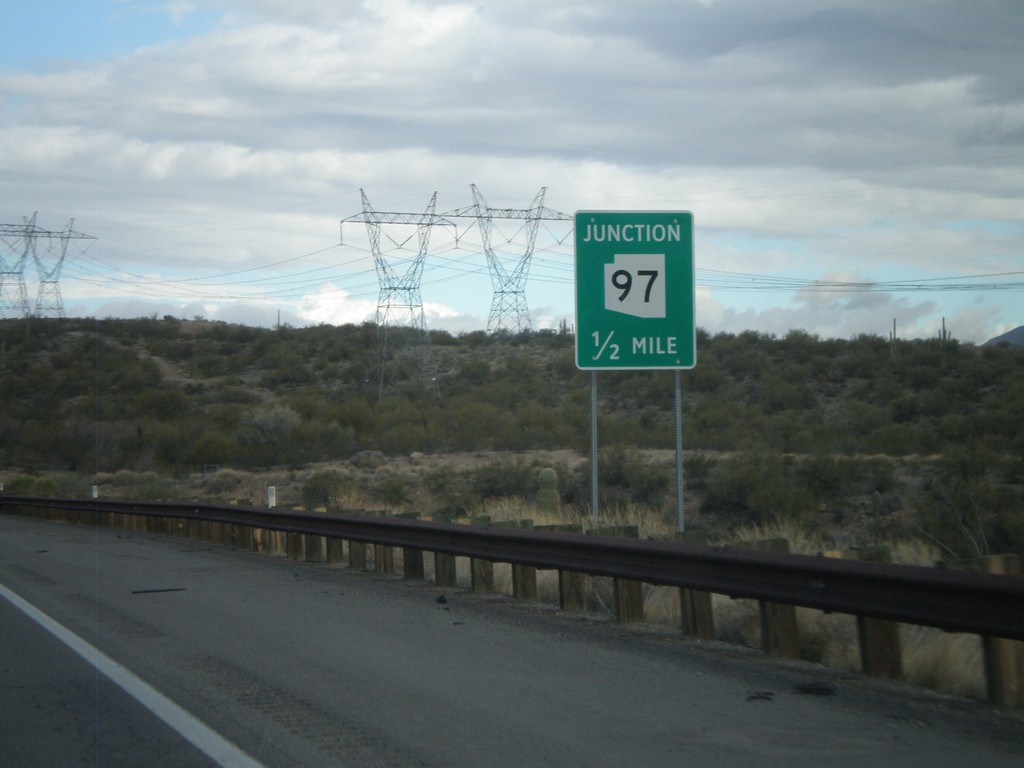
635	290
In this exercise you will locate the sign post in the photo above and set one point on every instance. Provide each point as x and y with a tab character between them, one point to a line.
635	302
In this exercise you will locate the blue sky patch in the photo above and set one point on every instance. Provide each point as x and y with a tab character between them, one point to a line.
40	35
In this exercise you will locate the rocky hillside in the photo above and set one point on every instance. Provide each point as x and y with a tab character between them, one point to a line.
772	426
1014	338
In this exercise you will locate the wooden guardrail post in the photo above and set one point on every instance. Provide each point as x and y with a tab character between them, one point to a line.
313	545
524	577
779	634
412	559
412	564
279	543
570	583
445	573
629	595
1004	659
383	556
294	546
383	559
879	639
697	618
335	550
357	555
481	571
315	548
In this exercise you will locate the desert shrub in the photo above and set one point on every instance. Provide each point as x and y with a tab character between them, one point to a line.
322	489
31	485
472	373
393	489
627	475
705	377
862	418
504	477
223	481
283	366
827	477
788	432
532	427
648	482
696	468
1012	470
756	488
731	482
213	448
785	392
265	435
966	512
162	403
451	491
317	440
126	483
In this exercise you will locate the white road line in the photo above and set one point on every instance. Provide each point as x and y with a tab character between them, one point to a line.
204	738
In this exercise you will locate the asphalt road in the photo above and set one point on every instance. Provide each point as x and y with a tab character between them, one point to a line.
306	665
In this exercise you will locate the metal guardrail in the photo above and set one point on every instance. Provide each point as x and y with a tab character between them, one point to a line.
959	601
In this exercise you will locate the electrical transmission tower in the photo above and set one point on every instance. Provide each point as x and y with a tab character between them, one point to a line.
24	240
400	301
49	302
16	241
509	311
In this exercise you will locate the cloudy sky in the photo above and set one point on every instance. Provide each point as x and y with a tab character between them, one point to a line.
848	163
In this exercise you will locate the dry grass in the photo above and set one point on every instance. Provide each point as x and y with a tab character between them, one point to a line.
948	662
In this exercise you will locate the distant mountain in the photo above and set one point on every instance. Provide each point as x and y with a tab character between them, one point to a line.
1014	337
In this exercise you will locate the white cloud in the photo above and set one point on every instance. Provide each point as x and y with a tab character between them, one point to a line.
806	138
334	306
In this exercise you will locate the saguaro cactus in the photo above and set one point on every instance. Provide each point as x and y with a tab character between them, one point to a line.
547	495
